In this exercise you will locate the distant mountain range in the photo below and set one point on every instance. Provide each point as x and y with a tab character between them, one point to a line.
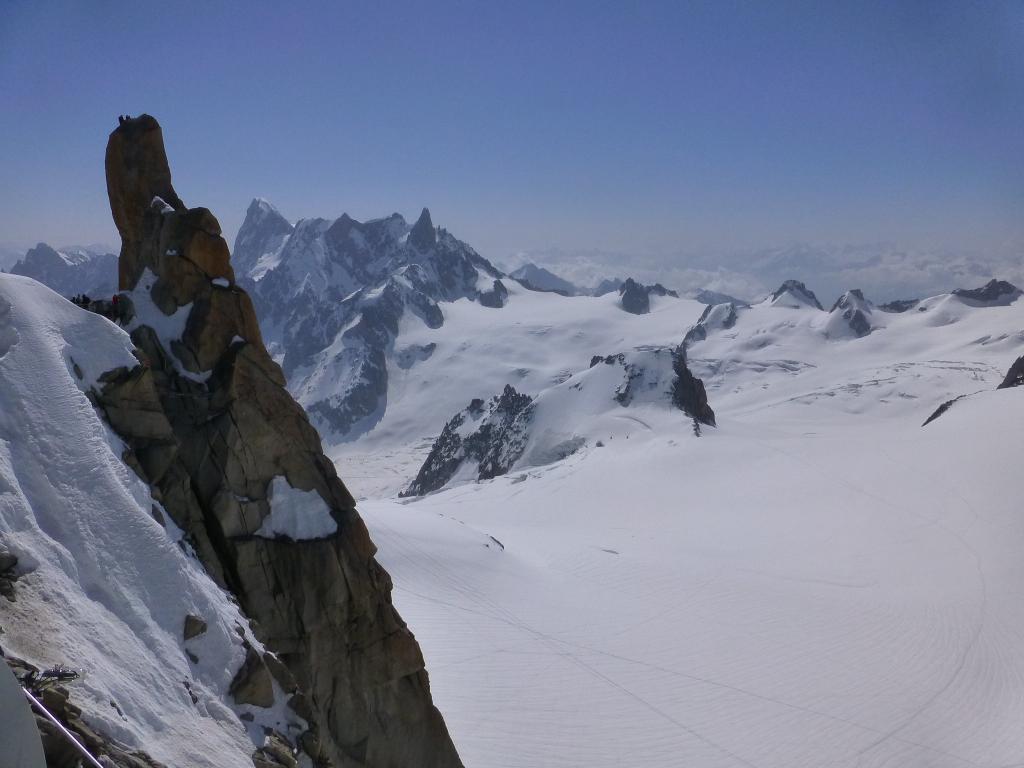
71	270
386	329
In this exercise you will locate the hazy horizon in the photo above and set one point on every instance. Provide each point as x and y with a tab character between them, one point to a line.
659	133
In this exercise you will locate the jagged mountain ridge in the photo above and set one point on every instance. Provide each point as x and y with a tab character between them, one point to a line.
69	271
333	294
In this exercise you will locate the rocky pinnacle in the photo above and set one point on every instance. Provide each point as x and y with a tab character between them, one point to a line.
212	429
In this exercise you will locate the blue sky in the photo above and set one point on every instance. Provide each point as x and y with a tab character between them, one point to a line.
657	127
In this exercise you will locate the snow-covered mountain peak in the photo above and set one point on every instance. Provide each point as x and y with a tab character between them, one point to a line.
851	314
795	295
260	239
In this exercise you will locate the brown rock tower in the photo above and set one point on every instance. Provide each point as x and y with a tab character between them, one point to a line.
212	429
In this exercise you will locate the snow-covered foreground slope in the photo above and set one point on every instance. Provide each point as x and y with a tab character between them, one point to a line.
820	581
757	597
104	586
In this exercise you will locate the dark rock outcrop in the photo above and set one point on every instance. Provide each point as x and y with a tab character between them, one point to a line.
496	297
942	409
194	626
899	305
253	683
688	391
634	297
490	437
226	450
995	293
1014	376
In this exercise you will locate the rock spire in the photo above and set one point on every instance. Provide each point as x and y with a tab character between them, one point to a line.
235	462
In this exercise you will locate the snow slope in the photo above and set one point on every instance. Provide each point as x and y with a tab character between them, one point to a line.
536	341
820	581
104	586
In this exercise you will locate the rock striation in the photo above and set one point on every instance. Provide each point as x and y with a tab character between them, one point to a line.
234	460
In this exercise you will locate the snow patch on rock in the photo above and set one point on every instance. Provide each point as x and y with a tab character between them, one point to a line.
296	514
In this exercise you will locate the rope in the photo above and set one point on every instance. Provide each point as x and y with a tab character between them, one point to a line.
67	734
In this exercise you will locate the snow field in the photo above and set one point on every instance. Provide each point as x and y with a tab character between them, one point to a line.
818	582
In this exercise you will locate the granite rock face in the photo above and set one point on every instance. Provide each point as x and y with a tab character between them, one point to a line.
236	463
